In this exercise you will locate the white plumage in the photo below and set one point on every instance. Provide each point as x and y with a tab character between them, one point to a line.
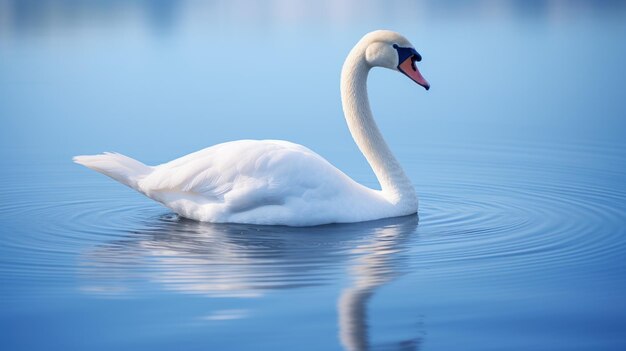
278	182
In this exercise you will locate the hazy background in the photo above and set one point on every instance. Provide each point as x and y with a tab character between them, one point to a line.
176	76
517	153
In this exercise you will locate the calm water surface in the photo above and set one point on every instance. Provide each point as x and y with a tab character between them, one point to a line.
517	154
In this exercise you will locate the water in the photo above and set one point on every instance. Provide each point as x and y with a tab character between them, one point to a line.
517	154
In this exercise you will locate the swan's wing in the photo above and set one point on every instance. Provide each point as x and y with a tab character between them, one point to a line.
249	173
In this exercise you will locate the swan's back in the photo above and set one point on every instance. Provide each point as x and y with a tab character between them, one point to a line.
258	181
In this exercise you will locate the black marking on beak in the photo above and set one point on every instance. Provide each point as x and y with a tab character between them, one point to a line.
404	53
407	57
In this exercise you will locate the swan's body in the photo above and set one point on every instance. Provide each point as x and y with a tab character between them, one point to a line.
278	182
252	181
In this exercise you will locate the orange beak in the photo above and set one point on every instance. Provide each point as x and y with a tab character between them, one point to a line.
409	68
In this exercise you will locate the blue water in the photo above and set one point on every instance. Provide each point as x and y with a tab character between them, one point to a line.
517	153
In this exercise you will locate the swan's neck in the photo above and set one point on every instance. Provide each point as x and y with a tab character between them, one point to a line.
396	186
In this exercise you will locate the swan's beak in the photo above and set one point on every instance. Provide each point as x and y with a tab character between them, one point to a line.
409	68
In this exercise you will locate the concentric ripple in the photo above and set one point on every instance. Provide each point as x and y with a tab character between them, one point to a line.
537	212
527	211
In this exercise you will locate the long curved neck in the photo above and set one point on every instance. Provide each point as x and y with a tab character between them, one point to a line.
396	186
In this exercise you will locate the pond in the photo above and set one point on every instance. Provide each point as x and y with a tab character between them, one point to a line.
517	154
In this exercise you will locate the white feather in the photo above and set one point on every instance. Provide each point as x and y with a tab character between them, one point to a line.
124	169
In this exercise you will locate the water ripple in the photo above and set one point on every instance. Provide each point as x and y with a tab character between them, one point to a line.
508	209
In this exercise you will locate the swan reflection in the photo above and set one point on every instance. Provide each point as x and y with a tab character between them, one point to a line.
377	265
251	261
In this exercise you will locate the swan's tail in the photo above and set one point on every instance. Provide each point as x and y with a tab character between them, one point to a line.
117	166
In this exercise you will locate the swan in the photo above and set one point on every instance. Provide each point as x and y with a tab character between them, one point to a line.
275	182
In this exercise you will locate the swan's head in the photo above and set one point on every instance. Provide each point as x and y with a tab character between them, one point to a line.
391	50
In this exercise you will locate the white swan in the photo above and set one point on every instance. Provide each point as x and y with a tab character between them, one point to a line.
281	183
